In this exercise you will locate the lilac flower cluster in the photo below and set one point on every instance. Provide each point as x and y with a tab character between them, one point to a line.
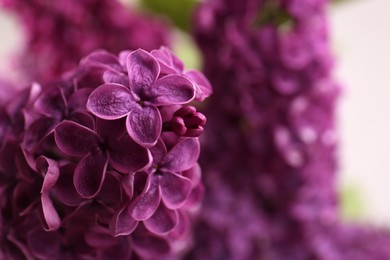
269	157
103	163
59	33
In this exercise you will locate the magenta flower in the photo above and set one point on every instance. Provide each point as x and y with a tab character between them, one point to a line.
98	149
165	181
170	63
139	102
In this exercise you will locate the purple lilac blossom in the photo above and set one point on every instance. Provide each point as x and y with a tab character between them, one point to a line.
59	33
76	184
269	155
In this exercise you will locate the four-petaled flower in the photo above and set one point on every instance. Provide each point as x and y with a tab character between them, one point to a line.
107	145
139	102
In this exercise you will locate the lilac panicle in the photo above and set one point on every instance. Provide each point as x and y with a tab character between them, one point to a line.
86	170
269	156
59	33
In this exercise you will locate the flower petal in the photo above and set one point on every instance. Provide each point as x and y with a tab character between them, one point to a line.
111	101
110	130
183	155
89	174
144	125
64	189
44	245
115	77
123	223
174	188
127	156
143	70
49	168
169	62
149	246
147	203
171	90
202	85
159	151
101	59
162	221
111	192
75	139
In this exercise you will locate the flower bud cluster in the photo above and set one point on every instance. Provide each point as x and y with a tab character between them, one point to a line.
87	170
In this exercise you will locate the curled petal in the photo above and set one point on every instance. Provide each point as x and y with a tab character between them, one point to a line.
75	139
183	155
147	203
172	90
123	223
144	125
202	85
111	101
50	170
52	220
162	221
127	156
143	70
175	189
89	174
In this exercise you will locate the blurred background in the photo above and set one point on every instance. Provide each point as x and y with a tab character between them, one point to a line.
361	39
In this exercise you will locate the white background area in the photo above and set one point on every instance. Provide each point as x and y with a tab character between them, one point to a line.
361	40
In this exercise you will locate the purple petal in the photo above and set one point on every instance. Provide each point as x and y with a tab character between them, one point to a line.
44	245
111	101
78	100
103	60
89	174
38	132
111	192
64	189
128	185
123	224
115	77
174	188
74	139
143	70
202	85
149	246
99	237
169	62
172	90
194	174
51	171
182	228
159	151
127	156
51	220
144	125
183	155
51	102
110	130
162	221
147	203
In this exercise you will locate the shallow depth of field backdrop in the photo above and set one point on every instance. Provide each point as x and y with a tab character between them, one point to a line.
361	39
